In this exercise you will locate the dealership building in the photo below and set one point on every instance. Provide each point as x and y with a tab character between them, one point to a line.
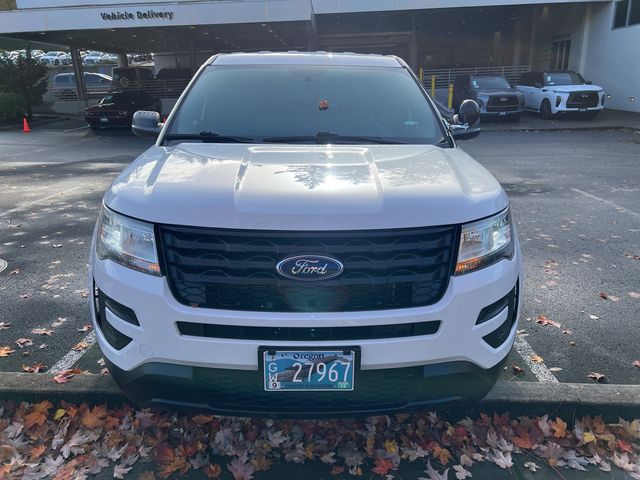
440	38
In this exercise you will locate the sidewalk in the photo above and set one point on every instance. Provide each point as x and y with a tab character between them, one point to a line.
608	119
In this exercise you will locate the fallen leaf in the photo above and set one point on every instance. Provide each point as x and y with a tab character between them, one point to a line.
94	417
544	321
4	325
461	472
442	454
567	332
24	342
66	375
85	328
593	317
555	369
14	271
120	471
240	470
5	351
212	471
25	295
634	294
632	256
636	363
41	331
517	370
598	377
588	437
537	359
383	466
531	466
80	346
559	428
35	368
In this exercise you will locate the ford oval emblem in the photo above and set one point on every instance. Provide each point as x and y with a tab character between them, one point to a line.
309	268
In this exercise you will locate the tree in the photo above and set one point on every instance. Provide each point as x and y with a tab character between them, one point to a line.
25	77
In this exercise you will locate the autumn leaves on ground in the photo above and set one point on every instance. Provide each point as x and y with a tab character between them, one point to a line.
72	442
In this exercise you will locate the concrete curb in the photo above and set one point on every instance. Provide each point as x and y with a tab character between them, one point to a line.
518	398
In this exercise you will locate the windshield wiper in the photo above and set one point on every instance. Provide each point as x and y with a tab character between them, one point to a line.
209	137
323	138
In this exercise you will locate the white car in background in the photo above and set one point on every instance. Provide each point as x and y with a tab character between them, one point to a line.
52	58
556	92
93	58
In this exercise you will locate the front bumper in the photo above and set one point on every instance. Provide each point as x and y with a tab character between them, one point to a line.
160	365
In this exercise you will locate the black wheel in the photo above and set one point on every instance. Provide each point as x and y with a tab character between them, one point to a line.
545	110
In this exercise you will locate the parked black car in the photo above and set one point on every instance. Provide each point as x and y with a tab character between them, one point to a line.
493	94
117	109
171	81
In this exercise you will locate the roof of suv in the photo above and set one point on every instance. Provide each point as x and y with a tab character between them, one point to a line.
307	58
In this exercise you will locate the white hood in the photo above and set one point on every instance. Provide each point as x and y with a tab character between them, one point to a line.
305	187
574	88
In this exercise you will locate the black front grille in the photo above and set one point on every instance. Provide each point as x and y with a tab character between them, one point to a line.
301	334
502	103
236	269
583	100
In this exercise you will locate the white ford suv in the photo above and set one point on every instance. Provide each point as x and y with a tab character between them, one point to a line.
559	92
305	238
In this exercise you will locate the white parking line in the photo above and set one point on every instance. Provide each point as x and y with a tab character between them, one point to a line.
72	356
540	370
76	129
608	202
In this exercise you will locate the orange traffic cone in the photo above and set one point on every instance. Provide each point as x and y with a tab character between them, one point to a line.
25	125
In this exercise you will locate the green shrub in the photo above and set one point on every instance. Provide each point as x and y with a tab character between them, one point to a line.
12	107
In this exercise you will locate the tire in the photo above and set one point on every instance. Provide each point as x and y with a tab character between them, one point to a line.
545	110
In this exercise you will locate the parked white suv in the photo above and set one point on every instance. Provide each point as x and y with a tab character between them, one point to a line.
305	238
552	93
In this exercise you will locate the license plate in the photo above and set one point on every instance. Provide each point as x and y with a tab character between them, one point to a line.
104	120
583	109
313	370
503	114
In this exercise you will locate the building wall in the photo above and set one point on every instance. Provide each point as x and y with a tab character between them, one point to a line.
613	59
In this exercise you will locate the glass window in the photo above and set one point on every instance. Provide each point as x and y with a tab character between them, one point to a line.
261	101
620	15
489	82
634	15
563	78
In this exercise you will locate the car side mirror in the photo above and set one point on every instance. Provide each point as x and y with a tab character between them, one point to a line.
588	82
464	121
146	123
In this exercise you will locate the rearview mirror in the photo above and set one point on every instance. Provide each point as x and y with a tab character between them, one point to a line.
469	113
146	124
464	122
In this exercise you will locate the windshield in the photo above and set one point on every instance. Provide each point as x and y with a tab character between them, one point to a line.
563	78
488	83
300	100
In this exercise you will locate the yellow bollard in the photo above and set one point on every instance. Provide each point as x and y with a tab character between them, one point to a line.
433	86
420	74
450	103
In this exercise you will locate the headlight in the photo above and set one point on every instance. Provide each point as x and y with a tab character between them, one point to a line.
127	241
485	242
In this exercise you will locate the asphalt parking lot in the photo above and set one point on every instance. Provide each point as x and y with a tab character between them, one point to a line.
575	196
